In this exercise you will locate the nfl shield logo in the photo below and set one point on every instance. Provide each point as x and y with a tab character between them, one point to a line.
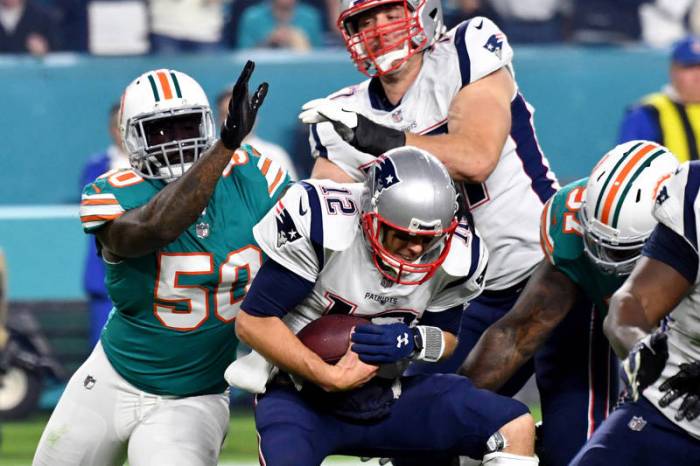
202	230
637	423
397	116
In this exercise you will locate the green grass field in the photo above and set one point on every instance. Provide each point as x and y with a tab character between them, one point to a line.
19	439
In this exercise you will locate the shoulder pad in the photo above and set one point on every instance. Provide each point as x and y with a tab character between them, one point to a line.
311	218
467	252
112	194
482	48
560	231
676	200
247	161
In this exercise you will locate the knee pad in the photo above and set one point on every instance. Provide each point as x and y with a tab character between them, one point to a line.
500	458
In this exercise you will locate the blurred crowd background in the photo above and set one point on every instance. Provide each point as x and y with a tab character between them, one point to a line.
172	26
64	64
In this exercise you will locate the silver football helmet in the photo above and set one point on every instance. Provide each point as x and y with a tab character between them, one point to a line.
409	190
382	49
616	214
166	123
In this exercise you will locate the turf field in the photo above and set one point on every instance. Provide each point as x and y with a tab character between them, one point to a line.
19	439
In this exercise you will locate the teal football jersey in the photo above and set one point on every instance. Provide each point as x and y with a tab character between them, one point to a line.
561	236
171	331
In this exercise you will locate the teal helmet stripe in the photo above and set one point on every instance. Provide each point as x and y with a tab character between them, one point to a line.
154	88
621	200
611	175
177	85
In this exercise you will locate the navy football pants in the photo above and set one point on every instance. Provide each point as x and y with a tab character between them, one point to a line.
576	372
435	413
637	434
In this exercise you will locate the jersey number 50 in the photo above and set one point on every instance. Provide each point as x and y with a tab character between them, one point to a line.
193	300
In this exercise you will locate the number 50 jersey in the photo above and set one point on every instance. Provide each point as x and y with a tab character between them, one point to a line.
315	232
171	331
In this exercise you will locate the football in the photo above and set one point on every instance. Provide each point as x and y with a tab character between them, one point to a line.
329	335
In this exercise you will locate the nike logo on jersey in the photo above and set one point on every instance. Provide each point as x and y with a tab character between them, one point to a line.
481	24
302	212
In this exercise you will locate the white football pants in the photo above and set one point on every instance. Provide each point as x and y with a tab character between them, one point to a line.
101	419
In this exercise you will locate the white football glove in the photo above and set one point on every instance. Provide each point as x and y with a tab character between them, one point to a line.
249	373
318	110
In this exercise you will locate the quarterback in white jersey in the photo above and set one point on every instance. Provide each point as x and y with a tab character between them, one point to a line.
390	250
661	424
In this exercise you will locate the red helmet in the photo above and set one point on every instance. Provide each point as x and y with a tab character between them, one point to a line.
382	49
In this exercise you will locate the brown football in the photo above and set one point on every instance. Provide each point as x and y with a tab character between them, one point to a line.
329	335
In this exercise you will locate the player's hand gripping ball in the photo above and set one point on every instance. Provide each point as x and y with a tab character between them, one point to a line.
329	335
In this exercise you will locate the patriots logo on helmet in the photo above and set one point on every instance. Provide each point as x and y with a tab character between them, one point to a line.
495	44
385	173
662	196
286	229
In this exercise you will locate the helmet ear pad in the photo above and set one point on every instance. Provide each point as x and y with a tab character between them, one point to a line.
410	191
386	47
166	123
616	213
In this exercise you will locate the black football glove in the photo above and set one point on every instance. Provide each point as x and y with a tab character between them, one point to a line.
644	364
685	383
358	131
242	109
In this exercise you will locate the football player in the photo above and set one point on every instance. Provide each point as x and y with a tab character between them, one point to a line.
592	232
393	251
175	234
454	93
662	425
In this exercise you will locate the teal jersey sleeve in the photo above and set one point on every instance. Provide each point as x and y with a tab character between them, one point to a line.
561	237
112	194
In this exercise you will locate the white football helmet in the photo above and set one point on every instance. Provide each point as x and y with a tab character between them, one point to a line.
382	49
620	193
409	190
166	123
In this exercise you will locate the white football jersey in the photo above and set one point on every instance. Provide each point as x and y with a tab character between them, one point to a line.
315	232
679	209
506	207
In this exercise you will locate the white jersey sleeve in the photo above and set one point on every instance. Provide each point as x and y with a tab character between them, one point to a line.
675	203
462	274
312	219
482	48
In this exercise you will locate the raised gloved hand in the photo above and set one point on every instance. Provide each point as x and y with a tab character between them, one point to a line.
685	383
383	344
357	130
645	363
242	109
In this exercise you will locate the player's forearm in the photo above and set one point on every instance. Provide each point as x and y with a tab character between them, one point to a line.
450	344
271	337
170	212
625	323
467	159
514	339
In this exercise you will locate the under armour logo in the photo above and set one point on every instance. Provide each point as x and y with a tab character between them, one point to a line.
402	340
637	423
89	382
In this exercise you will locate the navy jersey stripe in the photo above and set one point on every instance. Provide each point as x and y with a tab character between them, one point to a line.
528	150
442	129
322	151
316	223
462	53
378	98
476	248
669	247
691	192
